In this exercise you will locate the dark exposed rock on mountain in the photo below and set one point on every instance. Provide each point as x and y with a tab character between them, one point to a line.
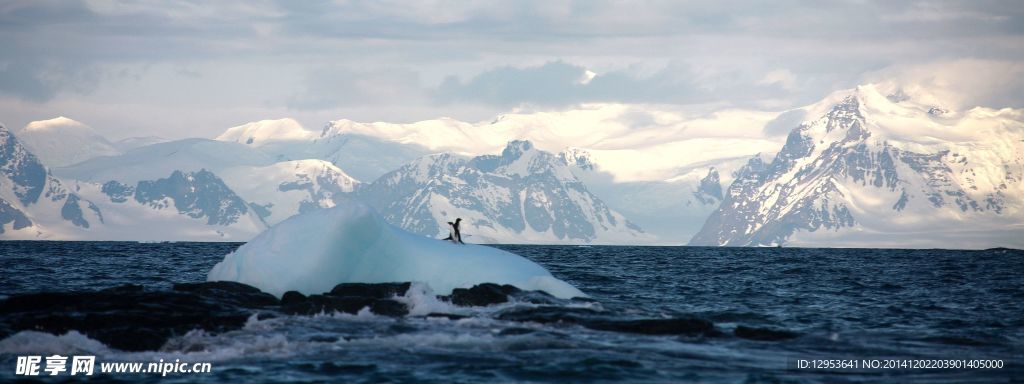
196	194
860	170
710	189
523	193
27	184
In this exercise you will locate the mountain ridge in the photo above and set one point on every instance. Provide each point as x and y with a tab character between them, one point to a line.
854	171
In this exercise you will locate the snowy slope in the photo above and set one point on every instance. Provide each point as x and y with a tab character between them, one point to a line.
882	167
161	159
276	189
630	142
284	189
673	210
130	143
643	161
524	195
25	183
184	206
193	206
61	141
263	131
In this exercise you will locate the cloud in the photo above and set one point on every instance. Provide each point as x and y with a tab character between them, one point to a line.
781	77
396	60
20	79
326	88
785	122
560	84
40	82
959	84
554	83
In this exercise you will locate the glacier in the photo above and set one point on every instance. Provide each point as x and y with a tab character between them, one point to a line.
352	243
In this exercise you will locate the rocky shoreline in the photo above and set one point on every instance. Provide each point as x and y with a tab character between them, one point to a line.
133	318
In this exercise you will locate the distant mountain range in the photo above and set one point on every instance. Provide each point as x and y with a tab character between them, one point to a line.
221	190
873	166
194	206
881	170
522	195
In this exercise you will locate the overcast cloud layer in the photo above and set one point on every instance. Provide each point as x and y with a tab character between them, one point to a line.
194	68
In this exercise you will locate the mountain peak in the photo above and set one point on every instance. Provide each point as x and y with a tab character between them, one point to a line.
257	132
881	165
578	157
62	141
523	195
59	122
516	148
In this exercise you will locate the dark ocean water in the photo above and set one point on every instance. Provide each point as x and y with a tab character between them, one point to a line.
843	304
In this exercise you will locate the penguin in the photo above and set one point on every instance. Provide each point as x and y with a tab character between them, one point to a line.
455	231
454	235
451	232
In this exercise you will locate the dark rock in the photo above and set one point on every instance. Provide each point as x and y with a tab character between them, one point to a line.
388	307
324	339
126	317
598	320
371	290
449	316
482	294
196	194
293	302
516	331
235	293
124	288
674	326
328	303
550	314
132	318
9	214
117	192
293	297
763	334
535	297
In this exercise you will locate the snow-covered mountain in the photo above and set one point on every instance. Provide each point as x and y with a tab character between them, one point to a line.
276	189
283	189
161	159
882	167
628	142
130	143
200	196
36	205
61	141
23	181
522	195
672	210
364	157
261	132
644	162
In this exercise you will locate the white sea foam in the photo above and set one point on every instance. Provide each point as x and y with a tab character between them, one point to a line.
40	343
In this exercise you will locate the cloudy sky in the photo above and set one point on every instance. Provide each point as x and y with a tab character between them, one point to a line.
179	69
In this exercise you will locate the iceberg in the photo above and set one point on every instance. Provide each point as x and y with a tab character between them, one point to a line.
352	243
